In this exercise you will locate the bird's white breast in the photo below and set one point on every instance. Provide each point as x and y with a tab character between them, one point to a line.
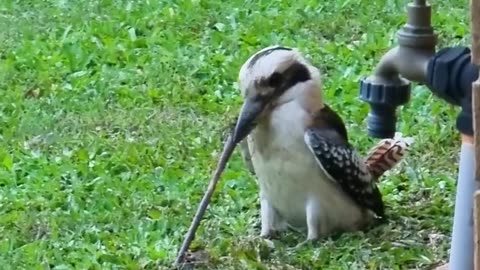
289	176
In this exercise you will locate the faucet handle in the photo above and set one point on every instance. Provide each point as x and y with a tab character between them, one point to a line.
384	98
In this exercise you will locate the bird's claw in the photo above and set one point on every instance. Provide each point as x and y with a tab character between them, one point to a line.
270	235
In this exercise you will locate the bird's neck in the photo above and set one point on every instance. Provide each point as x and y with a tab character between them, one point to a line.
310	98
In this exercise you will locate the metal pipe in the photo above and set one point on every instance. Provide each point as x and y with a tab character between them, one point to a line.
461	249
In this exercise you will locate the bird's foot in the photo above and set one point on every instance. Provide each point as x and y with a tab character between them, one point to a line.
271	234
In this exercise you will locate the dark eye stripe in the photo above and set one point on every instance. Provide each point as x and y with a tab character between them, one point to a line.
293	75
296	73
281	82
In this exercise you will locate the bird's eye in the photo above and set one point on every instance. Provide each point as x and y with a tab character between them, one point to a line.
275	80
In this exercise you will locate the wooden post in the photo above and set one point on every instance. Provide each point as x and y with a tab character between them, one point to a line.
475	30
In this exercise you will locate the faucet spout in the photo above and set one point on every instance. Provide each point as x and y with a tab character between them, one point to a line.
417	42
389	85
409	63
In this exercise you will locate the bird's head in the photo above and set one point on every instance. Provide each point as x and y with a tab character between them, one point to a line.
269	78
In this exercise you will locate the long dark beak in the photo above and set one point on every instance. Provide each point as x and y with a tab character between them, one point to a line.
247	120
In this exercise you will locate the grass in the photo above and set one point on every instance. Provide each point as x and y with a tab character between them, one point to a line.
111	119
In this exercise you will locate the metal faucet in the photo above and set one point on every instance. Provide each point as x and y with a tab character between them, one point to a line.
389	85
449	74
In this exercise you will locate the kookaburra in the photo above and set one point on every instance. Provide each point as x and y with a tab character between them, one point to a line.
309	175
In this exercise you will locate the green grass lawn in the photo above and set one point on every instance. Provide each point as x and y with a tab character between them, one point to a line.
111	118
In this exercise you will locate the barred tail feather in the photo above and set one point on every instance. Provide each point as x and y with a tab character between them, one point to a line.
386	154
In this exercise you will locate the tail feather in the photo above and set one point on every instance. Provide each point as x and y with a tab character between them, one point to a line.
386	154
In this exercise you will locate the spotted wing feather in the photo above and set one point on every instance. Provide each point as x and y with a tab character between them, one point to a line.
341	164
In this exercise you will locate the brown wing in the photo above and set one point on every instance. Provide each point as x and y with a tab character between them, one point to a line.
342	165
327	139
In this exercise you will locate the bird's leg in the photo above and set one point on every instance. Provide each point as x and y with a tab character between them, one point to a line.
313	220
267	215
314	226
269	219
